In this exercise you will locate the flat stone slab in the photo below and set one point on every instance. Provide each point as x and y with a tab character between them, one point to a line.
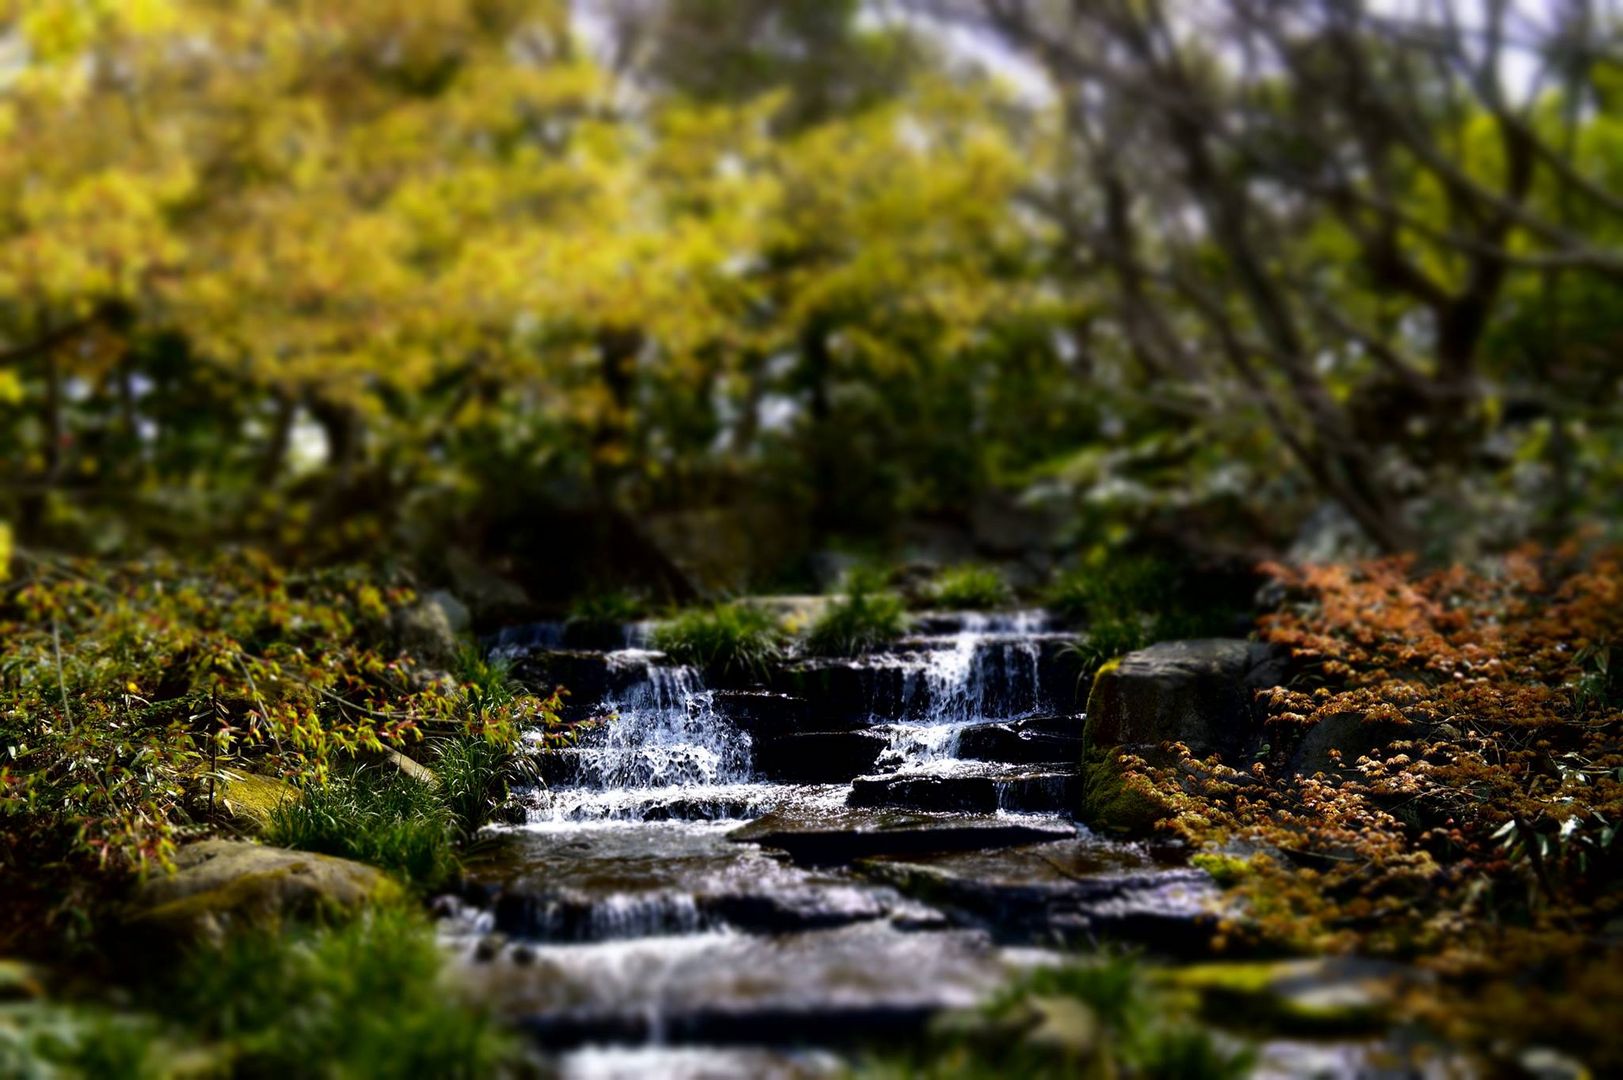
1076	891
611	880
835	837
971	787
841	986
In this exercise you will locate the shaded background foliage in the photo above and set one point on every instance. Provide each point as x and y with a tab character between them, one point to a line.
539	287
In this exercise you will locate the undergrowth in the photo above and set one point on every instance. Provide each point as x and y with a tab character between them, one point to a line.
1478	836
1100	1016
969	587
865	616
727	641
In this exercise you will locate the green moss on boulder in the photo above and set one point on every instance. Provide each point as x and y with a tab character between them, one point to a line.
223	885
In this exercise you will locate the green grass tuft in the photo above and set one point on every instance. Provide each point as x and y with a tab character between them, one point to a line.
969	588
375	815
864	618
726	641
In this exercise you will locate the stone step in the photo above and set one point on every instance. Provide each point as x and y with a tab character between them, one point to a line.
1079	891
833	987
971	787
830	837
1031	741
819	757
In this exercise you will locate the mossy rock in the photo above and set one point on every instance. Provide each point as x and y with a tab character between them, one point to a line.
224	885
1330	996
251	797
1109	803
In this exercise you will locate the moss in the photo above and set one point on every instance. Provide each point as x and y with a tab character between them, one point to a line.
1225	870
1110	802
1286	997
251	797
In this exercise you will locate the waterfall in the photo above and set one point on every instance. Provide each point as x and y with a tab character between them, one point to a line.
662	748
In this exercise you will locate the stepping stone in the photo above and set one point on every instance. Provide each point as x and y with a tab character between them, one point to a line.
835	837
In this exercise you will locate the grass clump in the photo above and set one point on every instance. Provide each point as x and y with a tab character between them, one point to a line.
730	640
969	587
865	617
375	815
1098	1017
365	998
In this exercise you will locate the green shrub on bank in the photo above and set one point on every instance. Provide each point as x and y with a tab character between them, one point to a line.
368	998
865	617
969	588
728	640
375	815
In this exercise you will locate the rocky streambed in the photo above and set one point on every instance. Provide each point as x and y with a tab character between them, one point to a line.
765	880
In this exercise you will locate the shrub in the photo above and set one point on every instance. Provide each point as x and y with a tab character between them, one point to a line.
365	998
866	617
726	641
376	815
969	588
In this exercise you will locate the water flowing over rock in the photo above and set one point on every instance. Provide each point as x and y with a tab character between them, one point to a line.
773	865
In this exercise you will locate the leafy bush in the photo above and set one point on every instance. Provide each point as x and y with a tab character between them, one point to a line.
864	618
727	641
365	998
969	588
377	815
1474	816
47	1040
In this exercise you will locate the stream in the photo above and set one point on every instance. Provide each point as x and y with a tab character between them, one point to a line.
764	882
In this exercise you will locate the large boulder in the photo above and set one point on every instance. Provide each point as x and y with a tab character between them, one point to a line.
222	885
424	631
1201	693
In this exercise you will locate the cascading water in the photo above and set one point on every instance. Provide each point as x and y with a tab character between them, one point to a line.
661	748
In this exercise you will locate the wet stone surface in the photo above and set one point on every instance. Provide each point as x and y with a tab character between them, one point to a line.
761	881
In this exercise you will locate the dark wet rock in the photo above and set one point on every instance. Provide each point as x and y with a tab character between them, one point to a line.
850	693
835	837
1072	892
971	787
589	676
818	757
1030	741
1201	693
223	885
489	947
1334	744
763	713
522	954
